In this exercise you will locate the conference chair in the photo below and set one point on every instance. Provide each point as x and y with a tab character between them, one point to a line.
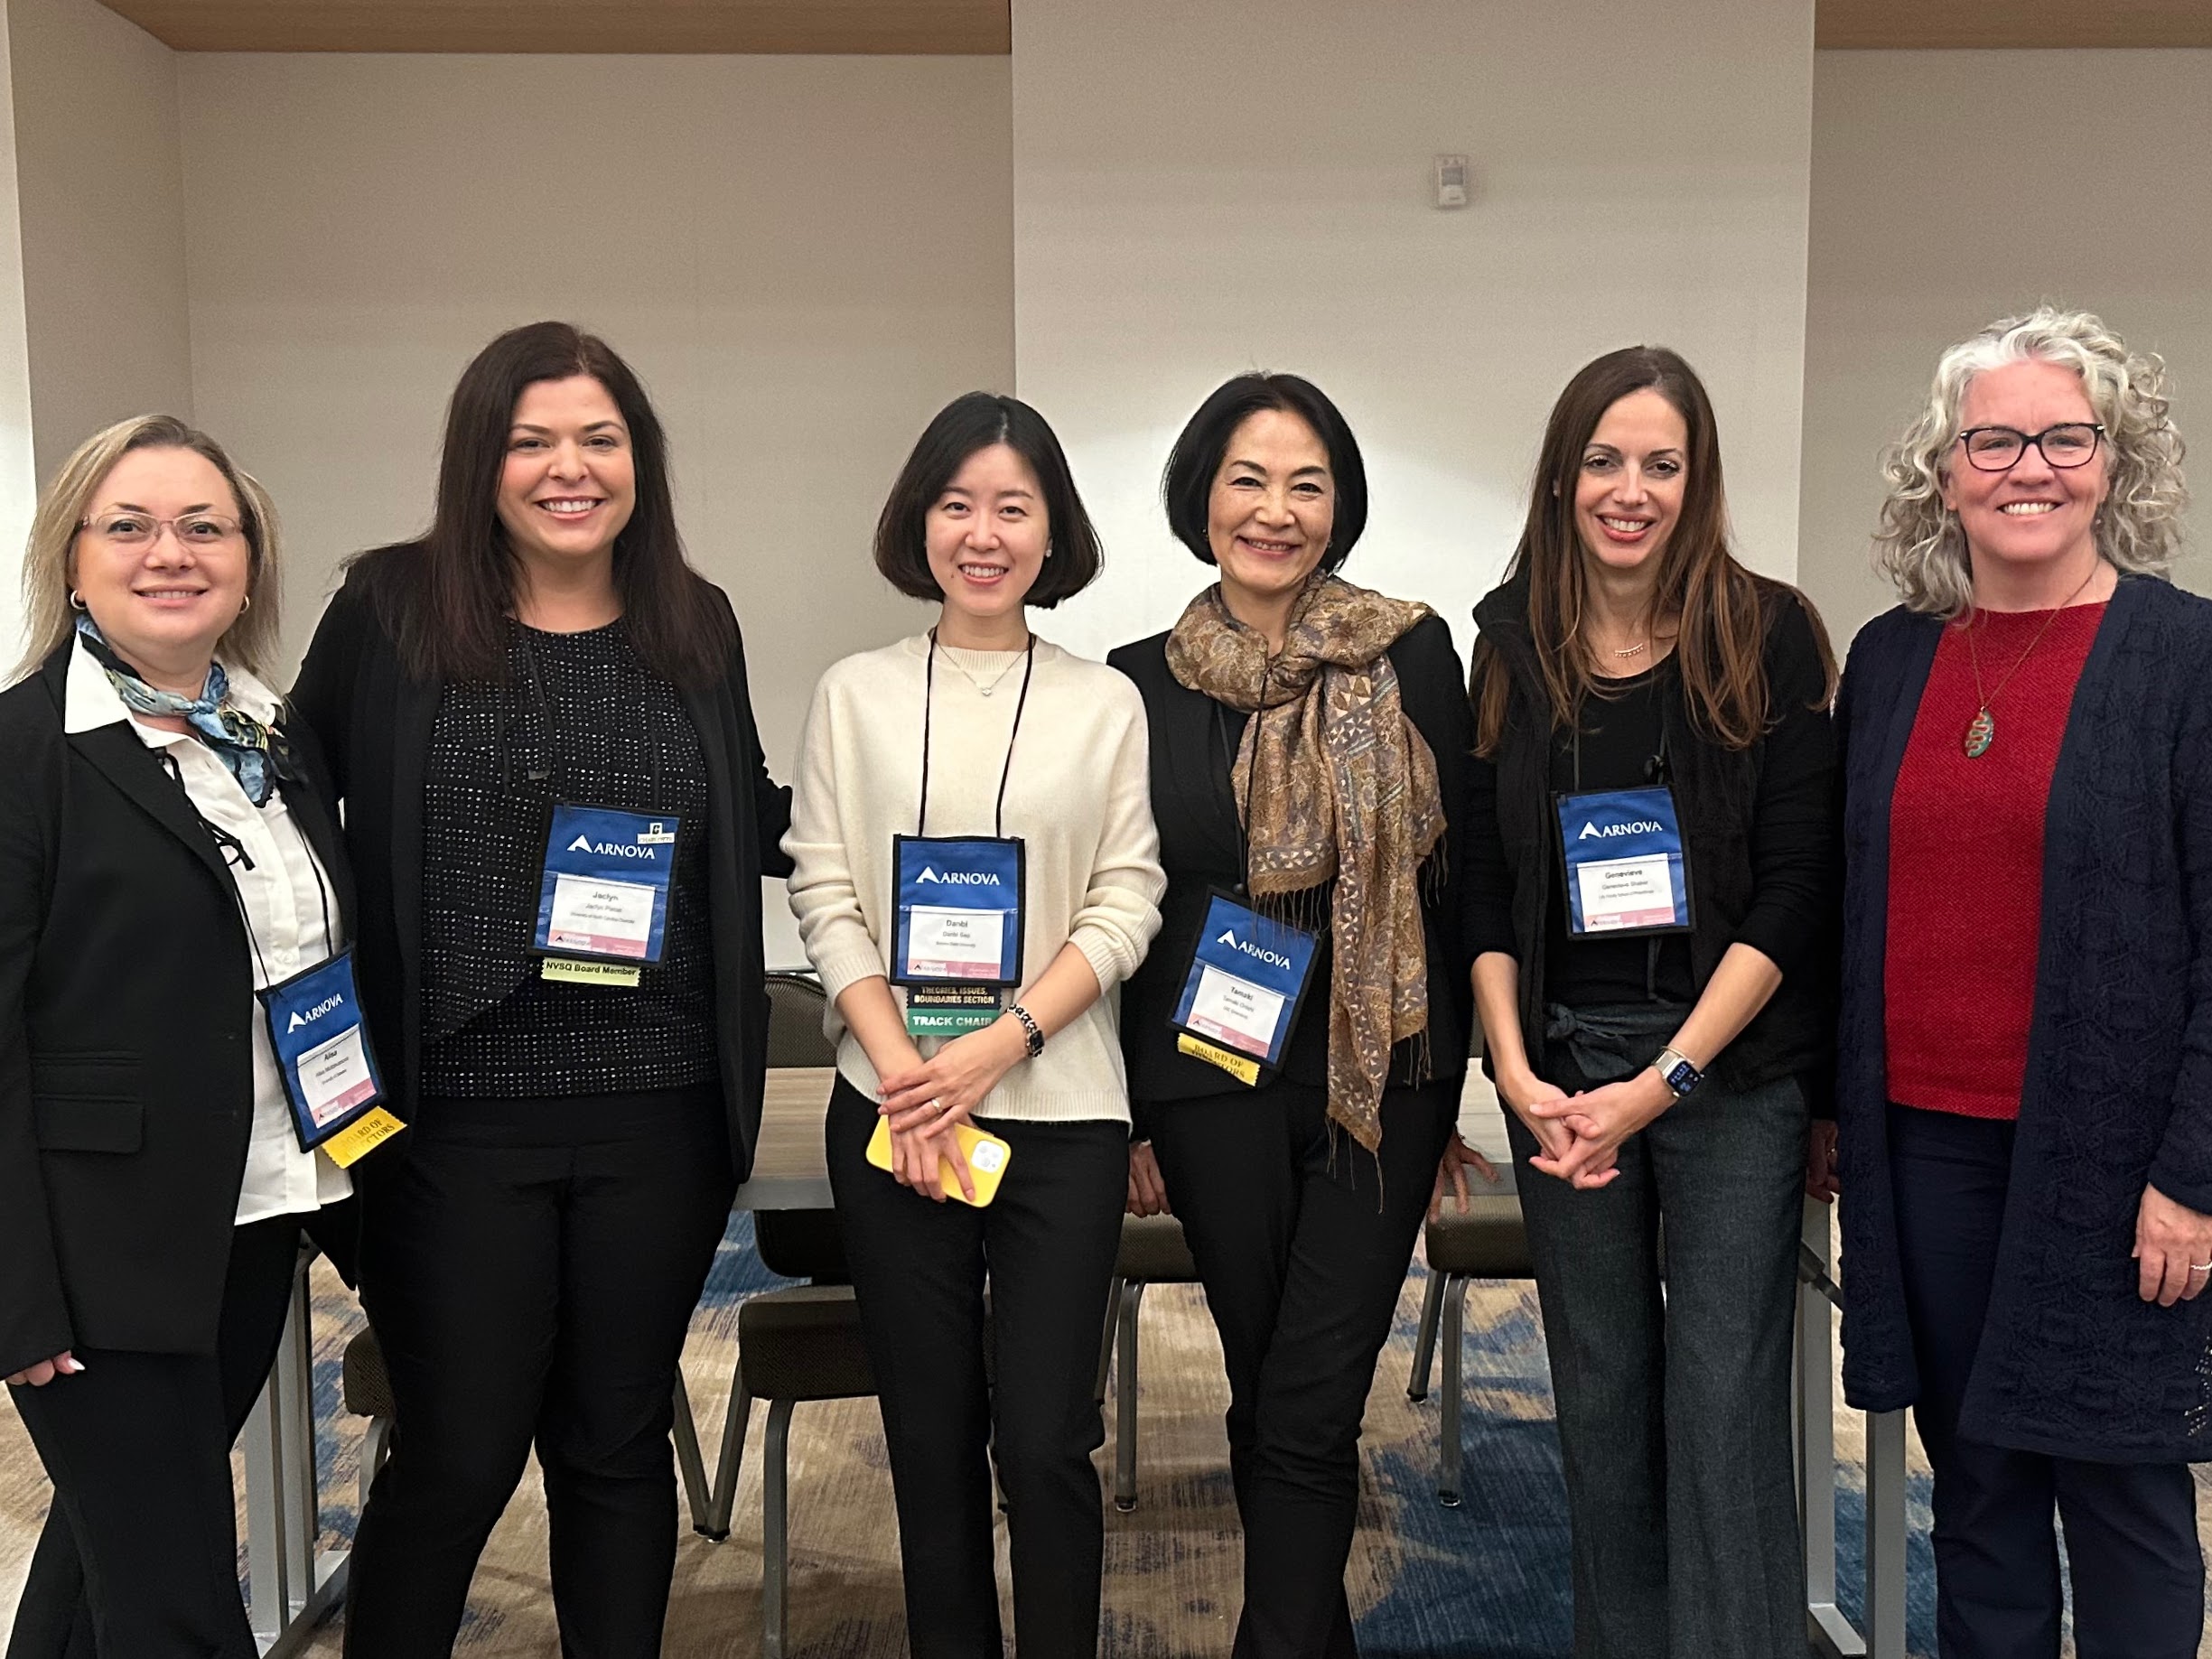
1152	1252
1488	1242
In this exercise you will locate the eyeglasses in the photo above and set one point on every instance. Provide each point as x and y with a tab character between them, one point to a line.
1998	449
124	530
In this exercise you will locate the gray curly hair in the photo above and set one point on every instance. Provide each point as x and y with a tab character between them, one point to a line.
1921	546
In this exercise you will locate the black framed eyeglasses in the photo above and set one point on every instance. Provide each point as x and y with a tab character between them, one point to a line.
1998	449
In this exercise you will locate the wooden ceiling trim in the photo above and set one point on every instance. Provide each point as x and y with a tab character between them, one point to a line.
685	26
2010	25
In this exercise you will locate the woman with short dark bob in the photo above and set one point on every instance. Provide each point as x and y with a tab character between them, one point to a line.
1651	882
555	796
2024	1081
169	858
1297	1038
975	868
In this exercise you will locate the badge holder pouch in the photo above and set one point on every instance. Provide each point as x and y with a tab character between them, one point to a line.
1245	988
602	903
332	1086
1625	863
956	933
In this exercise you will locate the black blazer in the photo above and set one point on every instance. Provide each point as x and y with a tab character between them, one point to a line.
375	722
126	1003
1194	740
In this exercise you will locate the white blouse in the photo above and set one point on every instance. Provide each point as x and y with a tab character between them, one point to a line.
284	891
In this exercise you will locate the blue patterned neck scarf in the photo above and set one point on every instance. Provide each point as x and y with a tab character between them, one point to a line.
239	742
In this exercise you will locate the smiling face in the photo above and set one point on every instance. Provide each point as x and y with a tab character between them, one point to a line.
2033	517
1273	506
569	482
985	535
163	605
1628	487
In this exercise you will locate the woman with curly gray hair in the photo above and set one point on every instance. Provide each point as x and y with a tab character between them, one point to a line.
2024	1080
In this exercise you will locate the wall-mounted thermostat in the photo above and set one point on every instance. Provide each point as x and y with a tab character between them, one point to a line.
1451	181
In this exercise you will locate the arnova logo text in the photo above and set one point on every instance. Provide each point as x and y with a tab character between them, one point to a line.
959	877
611	849
1229	938
315	1013
1634	826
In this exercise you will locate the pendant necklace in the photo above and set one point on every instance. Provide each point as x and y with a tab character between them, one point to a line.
1640	644
985	688
1981	730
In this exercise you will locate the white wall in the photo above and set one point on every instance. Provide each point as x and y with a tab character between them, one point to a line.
1952	188
1200	190
804	257
18	471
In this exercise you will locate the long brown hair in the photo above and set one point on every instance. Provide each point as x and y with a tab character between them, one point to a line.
446	597
1718	606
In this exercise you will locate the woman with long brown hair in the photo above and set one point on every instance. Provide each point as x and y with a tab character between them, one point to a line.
555	799
1649	882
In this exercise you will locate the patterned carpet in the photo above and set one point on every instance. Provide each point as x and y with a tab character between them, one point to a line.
1486	1579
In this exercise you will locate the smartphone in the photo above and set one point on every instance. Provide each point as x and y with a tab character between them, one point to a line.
987	1158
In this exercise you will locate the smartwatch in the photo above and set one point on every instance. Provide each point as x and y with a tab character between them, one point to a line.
1676	1072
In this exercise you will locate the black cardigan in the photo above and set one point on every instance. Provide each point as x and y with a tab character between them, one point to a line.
375	722
1760	824
1193	740
126	1010
2118	1088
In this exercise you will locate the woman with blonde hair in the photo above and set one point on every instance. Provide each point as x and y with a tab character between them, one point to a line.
2024	1081
169	859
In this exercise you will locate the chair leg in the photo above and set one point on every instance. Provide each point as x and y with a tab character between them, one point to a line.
1106	1340
1448	1453
775	1531
734	1422
1125	1400
1425	1339
685	1431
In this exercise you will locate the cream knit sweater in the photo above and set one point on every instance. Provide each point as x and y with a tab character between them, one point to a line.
1079	795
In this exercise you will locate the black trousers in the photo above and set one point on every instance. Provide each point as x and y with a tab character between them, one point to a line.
2130	1528
530	1267
138	1559
1302	1240
1047	1244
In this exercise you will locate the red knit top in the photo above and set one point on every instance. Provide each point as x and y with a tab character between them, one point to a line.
1966	863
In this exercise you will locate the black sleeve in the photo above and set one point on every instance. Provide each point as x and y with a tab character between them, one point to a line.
322	694
34	1319
1792	836
1486	887
1433	689
771	801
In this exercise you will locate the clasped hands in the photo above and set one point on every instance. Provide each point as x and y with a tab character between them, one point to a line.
926	1100
1578	1136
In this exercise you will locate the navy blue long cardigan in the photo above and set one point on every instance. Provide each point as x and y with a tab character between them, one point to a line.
2118	1090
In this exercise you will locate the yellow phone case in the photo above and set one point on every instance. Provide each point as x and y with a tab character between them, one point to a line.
987	1158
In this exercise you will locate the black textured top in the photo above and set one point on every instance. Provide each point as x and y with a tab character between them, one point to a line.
578	720
1619	741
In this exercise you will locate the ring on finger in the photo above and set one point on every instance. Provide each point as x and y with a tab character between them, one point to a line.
2200	1267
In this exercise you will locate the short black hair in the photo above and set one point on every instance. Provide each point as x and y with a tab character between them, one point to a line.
972	422
1187	485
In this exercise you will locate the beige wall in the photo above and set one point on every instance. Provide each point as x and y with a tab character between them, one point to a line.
2092	188
18	471
803	258
1199	190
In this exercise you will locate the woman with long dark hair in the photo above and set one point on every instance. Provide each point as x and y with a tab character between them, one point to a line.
1649	886
555	795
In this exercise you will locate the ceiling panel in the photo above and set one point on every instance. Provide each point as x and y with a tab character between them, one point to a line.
1922	23
575	25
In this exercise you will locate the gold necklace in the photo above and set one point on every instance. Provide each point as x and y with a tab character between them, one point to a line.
1981	730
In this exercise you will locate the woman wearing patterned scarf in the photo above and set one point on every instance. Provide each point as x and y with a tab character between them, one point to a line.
1297	1038
168	847
1650	876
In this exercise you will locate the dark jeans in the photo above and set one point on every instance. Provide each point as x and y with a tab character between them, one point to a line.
2130	1528
1047	1244
530	1267
1302	1240
1674	1408
138	1559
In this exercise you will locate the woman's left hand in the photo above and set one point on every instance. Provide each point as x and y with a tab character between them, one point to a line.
2173	1250
1451	1171
948	1086
1602	1119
